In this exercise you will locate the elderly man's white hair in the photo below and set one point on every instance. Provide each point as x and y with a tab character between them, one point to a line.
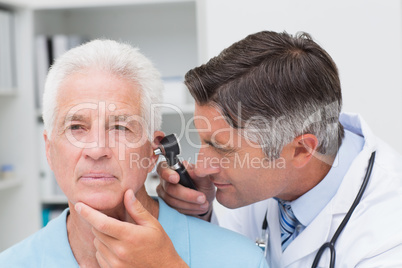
115	58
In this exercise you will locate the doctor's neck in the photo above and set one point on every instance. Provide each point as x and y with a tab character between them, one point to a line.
306	177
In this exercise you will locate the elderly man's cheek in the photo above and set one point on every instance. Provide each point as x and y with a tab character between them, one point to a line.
129	138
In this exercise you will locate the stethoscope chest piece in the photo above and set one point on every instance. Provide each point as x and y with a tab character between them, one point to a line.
262	241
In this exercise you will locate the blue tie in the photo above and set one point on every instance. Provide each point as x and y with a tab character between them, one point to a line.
288	223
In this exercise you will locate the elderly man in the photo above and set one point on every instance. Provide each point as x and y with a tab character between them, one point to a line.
97	117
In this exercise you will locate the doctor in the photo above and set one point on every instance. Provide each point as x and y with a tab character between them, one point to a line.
275	147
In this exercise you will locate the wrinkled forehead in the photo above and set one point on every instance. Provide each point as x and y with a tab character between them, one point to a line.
94	94
99	81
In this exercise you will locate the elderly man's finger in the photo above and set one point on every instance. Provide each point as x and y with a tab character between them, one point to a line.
101	250
137	212
98	220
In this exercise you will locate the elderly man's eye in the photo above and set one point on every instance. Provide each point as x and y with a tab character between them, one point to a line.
75	127
120	128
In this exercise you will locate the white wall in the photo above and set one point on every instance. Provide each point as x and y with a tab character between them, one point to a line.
362	36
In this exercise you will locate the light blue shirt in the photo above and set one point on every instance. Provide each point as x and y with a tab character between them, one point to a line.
309	205
199	244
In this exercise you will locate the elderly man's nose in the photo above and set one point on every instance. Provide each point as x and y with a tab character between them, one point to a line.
101	147
98	152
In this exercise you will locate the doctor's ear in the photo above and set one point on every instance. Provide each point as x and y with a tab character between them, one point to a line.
305	146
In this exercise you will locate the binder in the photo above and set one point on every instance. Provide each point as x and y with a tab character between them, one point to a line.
6	53
48	49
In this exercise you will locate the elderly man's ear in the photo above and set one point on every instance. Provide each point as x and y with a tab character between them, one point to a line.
47	147
158	136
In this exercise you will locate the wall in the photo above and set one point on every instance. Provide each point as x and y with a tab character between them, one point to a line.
363	37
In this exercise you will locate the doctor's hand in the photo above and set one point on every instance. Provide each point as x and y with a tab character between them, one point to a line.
183	199
143	243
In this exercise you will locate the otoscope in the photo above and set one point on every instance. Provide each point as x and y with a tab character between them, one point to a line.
169	147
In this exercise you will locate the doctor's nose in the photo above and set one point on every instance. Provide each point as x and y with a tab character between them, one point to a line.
206	165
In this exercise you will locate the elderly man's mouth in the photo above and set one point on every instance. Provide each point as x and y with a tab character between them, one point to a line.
97	177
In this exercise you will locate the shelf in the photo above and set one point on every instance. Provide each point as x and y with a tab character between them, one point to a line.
170	22
8	93
50	4
170	109
9	183
56	199
178	109
187	108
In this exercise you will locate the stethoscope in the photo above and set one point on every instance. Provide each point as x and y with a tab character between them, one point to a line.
262	242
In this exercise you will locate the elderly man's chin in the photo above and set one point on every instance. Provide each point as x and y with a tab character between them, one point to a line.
106	201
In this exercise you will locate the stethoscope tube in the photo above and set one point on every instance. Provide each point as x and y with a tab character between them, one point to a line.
331	244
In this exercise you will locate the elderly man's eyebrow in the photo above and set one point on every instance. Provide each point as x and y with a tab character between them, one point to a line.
134	121
70	118
74	117
120	117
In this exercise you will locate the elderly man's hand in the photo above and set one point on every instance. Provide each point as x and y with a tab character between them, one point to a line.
124	244
183	199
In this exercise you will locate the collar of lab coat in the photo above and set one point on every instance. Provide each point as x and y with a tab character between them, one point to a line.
322	228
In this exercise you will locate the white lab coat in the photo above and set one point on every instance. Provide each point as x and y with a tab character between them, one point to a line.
373	235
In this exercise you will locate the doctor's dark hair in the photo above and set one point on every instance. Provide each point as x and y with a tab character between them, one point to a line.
273	87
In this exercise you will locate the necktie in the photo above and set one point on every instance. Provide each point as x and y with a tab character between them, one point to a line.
288	223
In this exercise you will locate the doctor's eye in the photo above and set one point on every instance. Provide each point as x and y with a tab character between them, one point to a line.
220	148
